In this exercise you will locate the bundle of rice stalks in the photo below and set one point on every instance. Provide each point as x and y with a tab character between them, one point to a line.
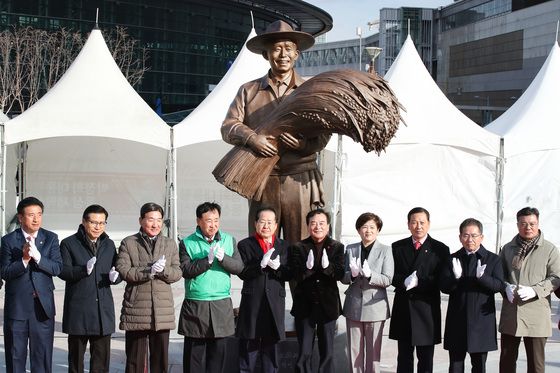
347	102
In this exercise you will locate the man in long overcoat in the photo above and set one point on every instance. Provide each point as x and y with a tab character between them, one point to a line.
89	257
317	264
416	315
473	276
260	324
532	271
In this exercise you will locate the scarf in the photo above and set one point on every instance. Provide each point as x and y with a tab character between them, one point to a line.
265	246
525	246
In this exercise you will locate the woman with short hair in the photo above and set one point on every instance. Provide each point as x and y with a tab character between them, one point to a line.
369	271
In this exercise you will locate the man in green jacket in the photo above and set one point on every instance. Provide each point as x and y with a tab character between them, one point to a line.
208	258
531	271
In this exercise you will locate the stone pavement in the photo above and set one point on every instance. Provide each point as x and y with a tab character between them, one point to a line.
389	349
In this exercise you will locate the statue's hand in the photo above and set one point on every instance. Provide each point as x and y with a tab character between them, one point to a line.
261	145
292	142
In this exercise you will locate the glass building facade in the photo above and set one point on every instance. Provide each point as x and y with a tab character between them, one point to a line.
190	44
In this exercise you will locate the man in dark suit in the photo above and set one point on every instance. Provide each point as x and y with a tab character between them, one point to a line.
472	276
317	264
29	258
260	324
416	317
89	258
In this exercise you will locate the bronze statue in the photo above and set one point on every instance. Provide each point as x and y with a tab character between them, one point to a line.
279	122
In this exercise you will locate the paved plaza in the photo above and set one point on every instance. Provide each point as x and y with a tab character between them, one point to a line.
389	350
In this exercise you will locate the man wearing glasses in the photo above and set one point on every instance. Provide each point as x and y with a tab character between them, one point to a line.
260	324
88	258
472	277
532	269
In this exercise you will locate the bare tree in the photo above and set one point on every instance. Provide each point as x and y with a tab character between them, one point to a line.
32	61
129	57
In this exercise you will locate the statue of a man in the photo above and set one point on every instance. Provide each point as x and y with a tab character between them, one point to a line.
295	184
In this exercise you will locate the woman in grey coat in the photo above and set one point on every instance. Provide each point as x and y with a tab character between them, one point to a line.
369	271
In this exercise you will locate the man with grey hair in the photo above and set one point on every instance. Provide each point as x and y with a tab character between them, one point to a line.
531	270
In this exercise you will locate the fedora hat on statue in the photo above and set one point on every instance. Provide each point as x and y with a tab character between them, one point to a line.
280	30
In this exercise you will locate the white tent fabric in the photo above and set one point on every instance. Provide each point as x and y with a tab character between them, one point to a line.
92	98
200	146
530	132
440	160
92	139
203	124
3	117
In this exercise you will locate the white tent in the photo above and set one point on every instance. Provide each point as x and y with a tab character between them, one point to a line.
200	147
531	130
92	139
440	160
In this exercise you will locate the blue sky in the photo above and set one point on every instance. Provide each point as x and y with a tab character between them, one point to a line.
349	14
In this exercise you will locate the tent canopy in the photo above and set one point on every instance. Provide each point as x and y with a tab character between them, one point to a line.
440	160
204	123
92	98
431	117
531	124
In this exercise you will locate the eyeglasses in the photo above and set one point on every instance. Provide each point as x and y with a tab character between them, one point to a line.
525	225
97	223
474	236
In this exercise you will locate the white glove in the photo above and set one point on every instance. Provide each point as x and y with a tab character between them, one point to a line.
219	254
34	252
324	259
158	266
89	265
366	270
310	260
266	258
510	288
353	264
113	275
526	293
480	269
457	269
411	281
274	264
211	254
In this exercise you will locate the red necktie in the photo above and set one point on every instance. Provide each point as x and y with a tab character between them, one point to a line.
417	245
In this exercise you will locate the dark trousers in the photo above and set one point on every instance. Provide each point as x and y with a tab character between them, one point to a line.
136	347
204	355
457	361
99	350
405	358
305	329
38	331
249	351
534	348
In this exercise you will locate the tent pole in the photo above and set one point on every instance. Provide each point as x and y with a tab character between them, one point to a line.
3	182
173	187
500	163
337	189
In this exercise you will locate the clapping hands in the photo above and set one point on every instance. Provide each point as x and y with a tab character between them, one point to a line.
354	267
411	281
158	266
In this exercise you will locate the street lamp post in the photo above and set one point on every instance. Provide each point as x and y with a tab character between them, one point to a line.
359	34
